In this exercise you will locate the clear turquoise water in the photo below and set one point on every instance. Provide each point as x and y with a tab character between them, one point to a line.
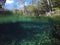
24	28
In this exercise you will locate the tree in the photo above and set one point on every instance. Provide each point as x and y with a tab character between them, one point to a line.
2	3
56	3
33	2
22	2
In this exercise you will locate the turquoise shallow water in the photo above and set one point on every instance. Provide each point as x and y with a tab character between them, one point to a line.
15	18
24	28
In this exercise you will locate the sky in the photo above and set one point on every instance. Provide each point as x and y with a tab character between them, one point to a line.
10	4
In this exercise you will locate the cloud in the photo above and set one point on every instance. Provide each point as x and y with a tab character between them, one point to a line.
9	1
26	3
